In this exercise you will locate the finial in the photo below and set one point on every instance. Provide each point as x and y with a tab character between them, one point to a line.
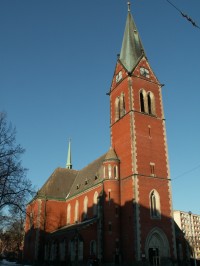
129	6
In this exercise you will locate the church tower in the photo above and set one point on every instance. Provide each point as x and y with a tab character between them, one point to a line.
138	137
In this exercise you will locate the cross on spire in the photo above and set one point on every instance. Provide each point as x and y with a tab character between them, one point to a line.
129	6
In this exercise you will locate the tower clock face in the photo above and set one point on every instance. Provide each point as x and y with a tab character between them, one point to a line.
119	76
144	72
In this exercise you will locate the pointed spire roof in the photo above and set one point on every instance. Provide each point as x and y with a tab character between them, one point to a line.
69	157
132	49
111	155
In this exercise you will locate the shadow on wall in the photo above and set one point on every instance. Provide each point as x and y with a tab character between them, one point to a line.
112	235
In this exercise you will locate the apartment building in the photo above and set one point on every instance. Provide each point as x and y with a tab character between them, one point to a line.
189	224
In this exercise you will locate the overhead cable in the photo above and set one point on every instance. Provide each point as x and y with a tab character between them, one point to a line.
184	15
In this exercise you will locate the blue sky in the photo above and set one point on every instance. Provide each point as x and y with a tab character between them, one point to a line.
57	59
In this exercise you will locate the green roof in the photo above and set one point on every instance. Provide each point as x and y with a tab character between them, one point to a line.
132	49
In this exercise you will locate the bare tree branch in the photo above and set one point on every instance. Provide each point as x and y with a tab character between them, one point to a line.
15	188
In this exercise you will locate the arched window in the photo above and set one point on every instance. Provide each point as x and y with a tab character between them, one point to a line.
141	102
122	105
95	203
115	172
151	103
93	248
69	213
85	207
154	204
109	171
72	248
61	249
76	214
54	248
117	110
104	172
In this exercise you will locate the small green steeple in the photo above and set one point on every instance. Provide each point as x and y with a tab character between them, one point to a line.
69	157
132	49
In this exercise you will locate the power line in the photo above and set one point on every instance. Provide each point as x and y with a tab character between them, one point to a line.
186	172
184	15
180	175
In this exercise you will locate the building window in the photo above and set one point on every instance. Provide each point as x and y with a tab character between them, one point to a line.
95	203
109	171
93	248
76	212
147	102
152	169
85	207
69	213
72	250
120	109
104	171
117	109
142	102
151	103
61	249
109	195
122	105
116	172
154	204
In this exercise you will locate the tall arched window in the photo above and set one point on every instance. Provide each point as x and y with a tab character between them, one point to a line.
117	109
109	171
154	204
104	171
93	248
95	203
151	103
69	213
122	105
120	109
76	213
141	102
85	207
115	172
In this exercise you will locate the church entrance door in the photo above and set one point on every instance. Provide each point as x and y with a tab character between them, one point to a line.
154	257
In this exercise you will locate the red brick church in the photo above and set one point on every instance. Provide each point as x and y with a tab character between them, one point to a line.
117	209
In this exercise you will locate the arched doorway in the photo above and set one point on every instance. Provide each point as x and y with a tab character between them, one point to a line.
156	247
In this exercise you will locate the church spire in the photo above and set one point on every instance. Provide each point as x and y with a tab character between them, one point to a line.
132	49
69	157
